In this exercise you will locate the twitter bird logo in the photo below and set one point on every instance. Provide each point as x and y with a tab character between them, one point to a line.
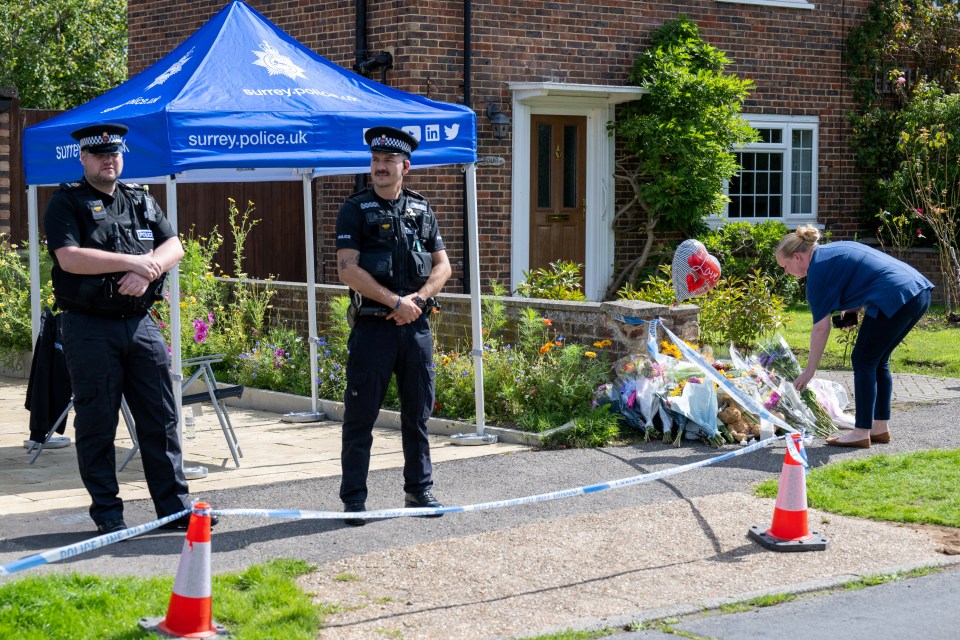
451	131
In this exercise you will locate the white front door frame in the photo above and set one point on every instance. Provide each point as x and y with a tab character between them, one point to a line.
597	104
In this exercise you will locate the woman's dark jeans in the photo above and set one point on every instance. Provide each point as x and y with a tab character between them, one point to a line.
878	337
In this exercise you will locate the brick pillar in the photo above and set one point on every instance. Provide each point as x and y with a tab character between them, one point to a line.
7	98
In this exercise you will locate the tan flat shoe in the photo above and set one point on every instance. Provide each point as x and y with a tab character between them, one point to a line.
835	441
882	438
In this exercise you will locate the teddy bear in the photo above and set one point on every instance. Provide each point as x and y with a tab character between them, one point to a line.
741	428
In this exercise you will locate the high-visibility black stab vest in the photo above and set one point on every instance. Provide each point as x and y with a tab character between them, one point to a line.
130	224
393	246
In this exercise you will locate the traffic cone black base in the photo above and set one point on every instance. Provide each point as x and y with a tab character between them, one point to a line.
815	541
153	625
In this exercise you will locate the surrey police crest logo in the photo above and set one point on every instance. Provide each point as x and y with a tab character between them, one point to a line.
275	63
177	66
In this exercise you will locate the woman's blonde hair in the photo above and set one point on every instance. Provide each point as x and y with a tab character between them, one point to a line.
804	240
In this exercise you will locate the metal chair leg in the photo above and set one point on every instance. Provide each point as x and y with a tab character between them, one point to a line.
39	445
132	429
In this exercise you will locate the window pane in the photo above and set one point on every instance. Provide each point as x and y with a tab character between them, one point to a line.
570	167
544	142
801	174
756	192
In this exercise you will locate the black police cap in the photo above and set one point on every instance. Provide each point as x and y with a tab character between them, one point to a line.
100	138
390	140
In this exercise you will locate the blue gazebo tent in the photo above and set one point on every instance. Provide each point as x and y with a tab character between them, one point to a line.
240	100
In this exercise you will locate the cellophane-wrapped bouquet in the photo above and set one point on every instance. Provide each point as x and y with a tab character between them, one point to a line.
775	356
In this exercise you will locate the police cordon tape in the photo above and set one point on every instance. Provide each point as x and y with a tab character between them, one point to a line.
73	550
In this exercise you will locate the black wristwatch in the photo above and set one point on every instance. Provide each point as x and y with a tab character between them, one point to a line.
420	302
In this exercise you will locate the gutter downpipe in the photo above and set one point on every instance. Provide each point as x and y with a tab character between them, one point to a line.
360	54
467	101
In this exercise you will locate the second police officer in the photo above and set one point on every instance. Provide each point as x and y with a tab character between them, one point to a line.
391	256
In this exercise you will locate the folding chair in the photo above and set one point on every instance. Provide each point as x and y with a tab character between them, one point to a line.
216	396
127	418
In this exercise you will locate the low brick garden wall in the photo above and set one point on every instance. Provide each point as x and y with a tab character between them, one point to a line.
578	322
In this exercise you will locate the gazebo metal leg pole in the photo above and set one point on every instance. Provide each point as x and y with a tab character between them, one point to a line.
191	473
474	250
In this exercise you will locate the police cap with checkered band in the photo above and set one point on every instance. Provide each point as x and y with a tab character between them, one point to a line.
390	140
100	138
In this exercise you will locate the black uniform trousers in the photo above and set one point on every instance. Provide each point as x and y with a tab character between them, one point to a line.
111	358
378	348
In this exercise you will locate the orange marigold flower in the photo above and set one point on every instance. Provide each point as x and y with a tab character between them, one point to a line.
590	354
547	321
546	348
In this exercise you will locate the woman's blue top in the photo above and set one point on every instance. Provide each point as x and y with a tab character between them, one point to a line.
848	275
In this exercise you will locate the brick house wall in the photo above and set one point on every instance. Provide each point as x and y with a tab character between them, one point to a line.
792	55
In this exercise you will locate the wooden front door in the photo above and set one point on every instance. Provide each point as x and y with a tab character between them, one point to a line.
557	190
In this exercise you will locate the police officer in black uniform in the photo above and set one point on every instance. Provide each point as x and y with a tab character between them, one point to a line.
391	255
112	246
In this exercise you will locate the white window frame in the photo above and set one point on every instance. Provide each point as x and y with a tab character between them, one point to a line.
789	4
787	124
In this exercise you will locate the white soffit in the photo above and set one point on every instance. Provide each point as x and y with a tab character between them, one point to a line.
532	92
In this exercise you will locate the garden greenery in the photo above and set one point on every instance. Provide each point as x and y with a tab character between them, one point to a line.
743	248
737	310
927	182
562	281
16	333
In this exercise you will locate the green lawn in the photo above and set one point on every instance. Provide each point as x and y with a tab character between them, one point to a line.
262	603
932	348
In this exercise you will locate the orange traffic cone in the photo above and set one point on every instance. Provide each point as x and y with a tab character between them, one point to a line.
789	531
190	610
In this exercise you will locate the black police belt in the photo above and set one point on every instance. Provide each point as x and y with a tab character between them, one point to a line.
367	308
99	296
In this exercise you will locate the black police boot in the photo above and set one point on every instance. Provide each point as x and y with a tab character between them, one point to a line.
111	526
354	507
183	522
422	499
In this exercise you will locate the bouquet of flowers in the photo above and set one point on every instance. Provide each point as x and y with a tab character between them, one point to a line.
774	355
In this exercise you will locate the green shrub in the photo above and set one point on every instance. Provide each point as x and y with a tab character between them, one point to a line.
594	429
562	281
743	247
16	332
736	310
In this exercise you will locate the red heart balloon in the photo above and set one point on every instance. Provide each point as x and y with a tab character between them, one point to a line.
694	270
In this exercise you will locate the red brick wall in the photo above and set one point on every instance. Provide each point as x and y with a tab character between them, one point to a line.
793	56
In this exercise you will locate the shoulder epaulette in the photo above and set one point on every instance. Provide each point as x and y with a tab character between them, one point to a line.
68	186
133	186
358	193
411	192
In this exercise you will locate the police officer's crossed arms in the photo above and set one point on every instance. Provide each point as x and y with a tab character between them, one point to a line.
111	247
391	255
